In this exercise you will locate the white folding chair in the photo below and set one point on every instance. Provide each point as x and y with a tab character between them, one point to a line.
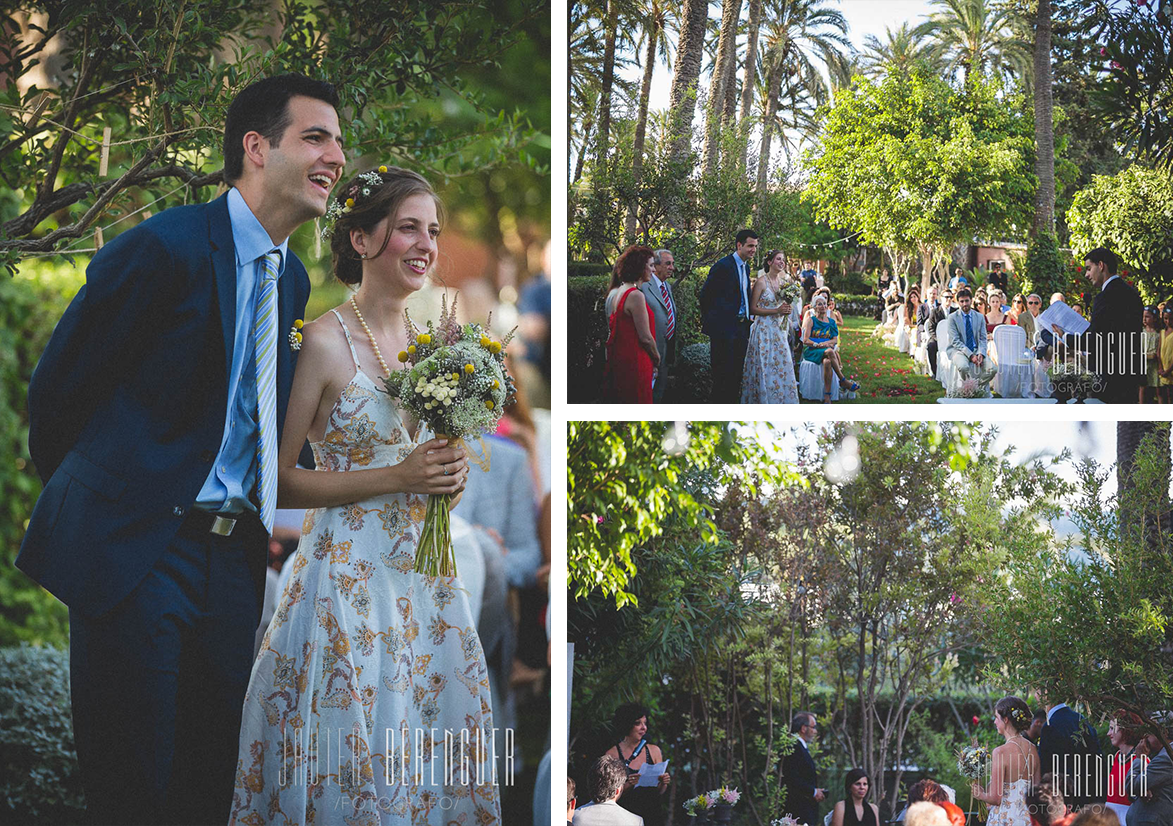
1008	349
810	382
945	367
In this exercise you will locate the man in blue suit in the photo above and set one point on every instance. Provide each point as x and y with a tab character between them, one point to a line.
1069	748
154	418
725	316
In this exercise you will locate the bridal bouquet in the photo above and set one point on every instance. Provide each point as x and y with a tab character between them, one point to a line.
709	800
457	385
972	760
788	293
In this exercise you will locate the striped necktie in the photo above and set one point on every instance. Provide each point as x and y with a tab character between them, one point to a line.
671	314
265	338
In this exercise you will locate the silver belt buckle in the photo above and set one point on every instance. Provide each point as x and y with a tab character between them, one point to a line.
222	526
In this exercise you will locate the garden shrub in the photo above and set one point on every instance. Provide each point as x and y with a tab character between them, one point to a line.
693	380
1045	269
39	778
576	269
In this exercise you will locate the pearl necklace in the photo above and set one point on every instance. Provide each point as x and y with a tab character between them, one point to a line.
370	336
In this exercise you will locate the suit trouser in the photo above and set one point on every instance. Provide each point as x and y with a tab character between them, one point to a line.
984	374
727	362
158	683
666	359
931	352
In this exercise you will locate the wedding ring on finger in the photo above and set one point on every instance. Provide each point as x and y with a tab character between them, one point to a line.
445	469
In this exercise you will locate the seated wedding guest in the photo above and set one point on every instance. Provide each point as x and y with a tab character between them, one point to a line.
833	311
1150	336
1078	308
569	798
1165	356
1057	297
607	782
1046	806
980	303
854	809
906	337
1155	776
995	315
929	791
935	316
966	347
954	812
926	814
1023	317
632	356
632	749
1124	732
820	339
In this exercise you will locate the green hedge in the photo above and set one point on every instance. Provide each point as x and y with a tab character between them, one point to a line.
580	269
39	779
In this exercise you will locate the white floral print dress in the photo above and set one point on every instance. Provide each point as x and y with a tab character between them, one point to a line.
370	687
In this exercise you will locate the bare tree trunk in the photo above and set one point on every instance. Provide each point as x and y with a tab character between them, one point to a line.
586	142
1044	125
641	125
682	99
773	89
722	70
749	77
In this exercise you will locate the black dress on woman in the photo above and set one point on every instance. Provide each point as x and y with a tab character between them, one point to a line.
645	802
850	819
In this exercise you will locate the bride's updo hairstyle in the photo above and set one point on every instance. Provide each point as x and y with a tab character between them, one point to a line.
365	200
770	257
1015	712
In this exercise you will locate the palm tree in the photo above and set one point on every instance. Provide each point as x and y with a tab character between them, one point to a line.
749	78
796	32
723	80
975	35
682	99
1044	124
903	49
658	16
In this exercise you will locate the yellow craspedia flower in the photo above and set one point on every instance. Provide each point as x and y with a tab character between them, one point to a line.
456	377
495	347
423	338
403	355
468	368
489	404
486	341
496	384
297	337
297	325
411	349
382	169
350	202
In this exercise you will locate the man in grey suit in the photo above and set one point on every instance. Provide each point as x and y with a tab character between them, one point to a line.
1155	778
608	775
967	341
658	292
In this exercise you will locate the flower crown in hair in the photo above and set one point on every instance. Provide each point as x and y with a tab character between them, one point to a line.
362	188
1020	718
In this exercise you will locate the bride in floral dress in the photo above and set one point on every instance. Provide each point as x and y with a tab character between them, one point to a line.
1015	767
769	366
371	677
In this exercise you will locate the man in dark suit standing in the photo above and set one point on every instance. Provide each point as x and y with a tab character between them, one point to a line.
799	773
1070	748
1113	341
154	414
725	316
658	292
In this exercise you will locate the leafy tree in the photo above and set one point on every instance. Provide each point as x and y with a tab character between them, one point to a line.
160	75
913	164
1131	213
1089	619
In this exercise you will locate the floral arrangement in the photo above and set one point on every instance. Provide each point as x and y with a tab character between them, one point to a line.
972	760
969	389
362	189
787	820
457	385
708	800
1072	380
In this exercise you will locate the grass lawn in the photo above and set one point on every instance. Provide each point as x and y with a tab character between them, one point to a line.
885	375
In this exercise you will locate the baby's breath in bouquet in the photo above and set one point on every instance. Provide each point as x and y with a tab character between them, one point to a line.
456	384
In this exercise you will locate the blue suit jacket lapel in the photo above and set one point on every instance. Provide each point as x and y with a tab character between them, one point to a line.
224	265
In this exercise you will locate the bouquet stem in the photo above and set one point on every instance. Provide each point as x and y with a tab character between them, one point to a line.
434	556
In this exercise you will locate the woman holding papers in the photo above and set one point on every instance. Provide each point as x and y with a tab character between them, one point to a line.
639	797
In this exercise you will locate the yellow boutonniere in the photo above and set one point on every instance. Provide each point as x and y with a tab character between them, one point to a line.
295	335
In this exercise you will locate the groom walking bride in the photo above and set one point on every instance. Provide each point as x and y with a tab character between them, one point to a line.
154	416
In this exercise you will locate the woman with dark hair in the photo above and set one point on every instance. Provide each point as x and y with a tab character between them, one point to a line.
854	809
1125	732
1150	336
354	617
769	366
631	731
632	355
1015	767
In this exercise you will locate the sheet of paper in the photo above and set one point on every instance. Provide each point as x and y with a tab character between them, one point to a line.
1069	320
650	775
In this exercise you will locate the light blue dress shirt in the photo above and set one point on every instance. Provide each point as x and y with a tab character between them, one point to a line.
234	473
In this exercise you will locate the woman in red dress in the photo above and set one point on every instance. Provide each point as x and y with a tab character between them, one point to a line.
1125	732
631	348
